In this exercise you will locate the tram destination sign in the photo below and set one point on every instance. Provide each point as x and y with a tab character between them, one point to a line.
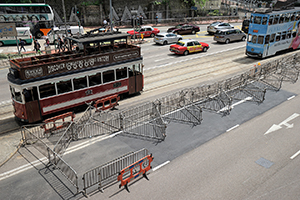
8	30
77	64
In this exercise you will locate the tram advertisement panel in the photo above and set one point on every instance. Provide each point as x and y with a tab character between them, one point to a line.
56	67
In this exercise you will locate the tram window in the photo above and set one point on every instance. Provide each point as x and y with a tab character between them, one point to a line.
287	17
130	71
47	90
267	39
283	35
249	39
95	79
16	94
276	19
293	17
108	76
257	20
289	35
281	19
277	38
260	39
272	39
264	21
121	73
80	83
294	34
138	69
254	38
271	18
64	86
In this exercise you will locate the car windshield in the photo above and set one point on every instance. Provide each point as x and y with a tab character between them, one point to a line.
214	23
180	43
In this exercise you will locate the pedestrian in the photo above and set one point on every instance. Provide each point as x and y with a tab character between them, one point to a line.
22	43
37	46
156	19
104	22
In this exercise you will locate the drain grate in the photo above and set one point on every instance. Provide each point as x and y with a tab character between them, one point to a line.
264	162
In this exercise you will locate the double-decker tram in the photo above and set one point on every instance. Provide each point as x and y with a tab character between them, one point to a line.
98	66
273	31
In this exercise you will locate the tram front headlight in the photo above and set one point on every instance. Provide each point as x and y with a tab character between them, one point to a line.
252	49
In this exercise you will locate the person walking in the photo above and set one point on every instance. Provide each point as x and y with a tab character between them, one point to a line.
22	43
37	46
156	19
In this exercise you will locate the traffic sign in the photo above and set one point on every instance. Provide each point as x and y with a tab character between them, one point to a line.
8	29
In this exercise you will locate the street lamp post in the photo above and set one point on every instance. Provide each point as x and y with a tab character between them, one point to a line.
65	19
110	15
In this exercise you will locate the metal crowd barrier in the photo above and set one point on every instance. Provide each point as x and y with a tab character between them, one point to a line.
107	174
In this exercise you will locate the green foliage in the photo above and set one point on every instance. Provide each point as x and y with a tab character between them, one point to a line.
194	2
87	3
215	13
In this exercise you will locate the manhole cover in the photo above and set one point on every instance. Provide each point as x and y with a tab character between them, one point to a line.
264	162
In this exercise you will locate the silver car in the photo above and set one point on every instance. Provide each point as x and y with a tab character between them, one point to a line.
166	38
215	26
229	35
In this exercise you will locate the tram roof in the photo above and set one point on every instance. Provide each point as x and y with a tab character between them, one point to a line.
277	12
99	37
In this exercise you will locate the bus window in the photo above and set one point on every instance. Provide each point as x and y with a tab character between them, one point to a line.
272	38
121	73
95	79
267	39
80	82
271	18
264	21
281	19
283	35
257	20
47	90
64	86
254	38
108	76
260	39
276	19
16	94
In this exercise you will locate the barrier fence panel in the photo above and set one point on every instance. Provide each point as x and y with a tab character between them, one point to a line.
64	168
64	141
37	143
84	119
36	130
107	174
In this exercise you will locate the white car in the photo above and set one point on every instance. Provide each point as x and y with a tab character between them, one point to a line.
215	26
166	38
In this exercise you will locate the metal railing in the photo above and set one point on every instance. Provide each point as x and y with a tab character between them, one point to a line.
107	174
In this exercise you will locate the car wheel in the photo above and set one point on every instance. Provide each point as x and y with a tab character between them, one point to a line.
165	42
193	31
152	35
186	53
205	49
227	41
1	44
39	35
243	38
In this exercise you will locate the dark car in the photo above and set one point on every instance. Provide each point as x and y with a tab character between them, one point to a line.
184	29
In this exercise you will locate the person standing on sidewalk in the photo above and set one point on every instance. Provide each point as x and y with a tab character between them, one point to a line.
156	19
22	43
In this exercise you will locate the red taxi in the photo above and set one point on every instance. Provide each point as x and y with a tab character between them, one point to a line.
147	31
188	46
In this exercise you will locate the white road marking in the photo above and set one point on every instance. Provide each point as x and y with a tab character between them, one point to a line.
291	97
235	104
159	166
296	154
233	128
276	127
